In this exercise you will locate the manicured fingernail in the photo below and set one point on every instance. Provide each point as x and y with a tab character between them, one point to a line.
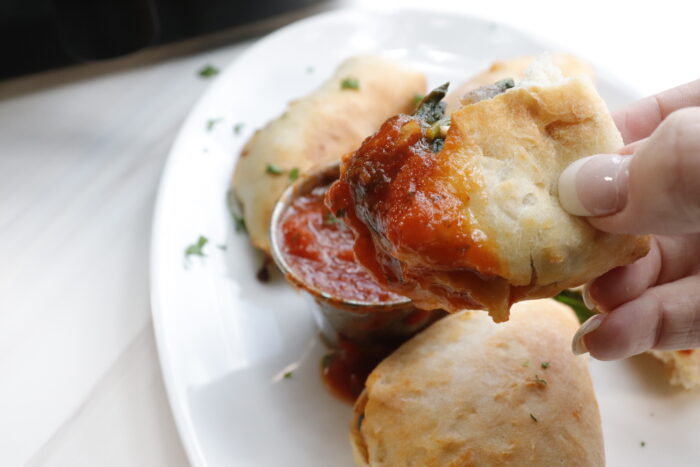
587	300
595	185
578	345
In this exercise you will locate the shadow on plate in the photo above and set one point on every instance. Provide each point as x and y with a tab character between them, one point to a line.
651	375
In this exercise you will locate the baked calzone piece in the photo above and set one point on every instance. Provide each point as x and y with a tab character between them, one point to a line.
682	366
469	392
317	129
464	213
515	68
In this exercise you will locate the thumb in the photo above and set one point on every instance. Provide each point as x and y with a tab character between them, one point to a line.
656	190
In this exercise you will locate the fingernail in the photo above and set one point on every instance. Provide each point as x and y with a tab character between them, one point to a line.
587	300
595	185
578	345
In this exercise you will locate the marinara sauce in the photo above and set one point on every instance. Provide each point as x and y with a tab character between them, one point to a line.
318	248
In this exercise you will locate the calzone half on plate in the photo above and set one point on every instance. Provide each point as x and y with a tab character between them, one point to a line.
463	212
469	392
319	128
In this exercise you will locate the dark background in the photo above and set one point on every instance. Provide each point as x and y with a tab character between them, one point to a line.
37	35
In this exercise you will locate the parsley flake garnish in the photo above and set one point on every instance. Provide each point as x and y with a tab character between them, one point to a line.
643	443
534	419
208	71
239	223
211	123
350	83
540	381
197	248
238	127
287	375
274	170
526	363
544	365
293	174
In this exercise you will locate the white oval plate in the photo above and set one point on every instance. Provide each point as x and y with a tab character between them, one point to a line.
224	338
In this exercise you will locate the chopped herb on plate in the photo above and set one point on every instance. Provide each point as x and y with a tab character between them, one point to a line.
238	127
239	223
197	248
287	375
540	381
211	123
208	71
534	419
544	365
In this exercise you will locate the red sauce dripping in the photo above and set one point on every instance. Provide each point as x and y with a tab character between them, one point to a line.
686	352
347	368
318	248
397	185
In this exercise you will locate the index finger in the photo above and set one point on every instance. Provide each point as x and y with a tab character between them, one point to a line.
639	119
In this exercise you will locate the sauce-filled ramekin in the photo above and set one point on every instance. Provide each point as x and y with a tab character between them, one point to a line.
313	249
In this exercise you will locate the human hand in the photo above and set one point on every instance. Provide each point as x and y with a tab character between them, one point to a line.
652	186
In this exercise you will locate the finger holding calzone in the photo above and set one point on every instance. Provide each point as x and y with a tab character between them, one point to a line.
464	212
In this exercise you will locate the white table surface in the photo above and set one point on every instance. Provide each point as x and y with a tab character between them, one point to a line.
81	151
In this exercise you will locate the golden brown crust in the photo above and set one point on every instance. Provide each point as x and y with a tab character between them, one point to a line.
570	65
479	225
357	441
682	366
318	129
513	182
469	392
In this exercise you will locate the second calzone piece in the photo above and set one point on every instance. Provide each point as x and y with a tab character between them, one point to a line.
317	129
465	214
467	392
